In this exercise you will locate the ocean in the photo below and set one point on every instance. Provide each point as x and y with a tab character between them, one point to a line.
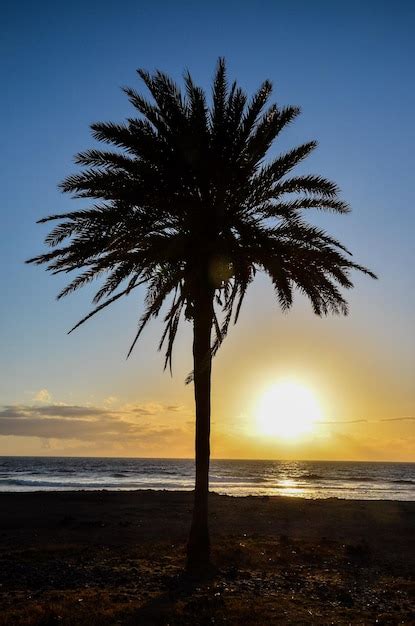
307	479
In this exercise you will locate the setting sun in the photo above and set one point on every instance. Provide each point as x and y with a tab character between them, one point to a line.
288	410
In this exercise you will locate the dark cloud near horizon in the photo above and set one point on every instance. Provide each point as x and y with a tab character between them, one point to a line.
408	418
62	411
57	428
79	422
360	421
66	411
153	409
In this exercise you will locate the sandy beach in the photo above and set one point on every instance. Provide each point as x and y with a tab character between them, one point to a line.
117	558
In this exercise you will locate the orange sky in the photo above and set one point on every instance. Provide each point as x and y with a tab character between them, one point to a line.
134	409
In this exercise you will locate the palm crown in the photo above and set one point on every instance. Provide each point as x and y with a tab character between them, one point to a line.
188	200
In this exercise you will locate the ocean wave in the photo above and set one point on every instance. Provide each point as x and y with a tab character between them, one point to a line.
104	483
24	482
58	485
356	479
310	477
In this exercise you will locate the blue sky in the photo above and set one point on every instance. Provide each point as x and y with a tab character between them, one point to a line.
349	65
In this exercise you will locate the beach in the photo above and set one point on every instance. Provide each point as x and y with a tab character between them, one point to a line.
102	557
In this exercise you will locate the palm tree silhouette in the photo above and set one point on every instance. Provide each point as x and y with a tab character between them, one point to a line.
188	206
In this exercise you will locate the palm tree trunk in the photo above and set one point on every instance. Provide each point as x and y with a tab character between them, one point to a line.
198	548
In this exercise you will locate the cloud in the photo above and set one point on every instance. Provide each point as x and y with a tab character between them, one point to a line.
149	408
358	421
58	428
406	418
42	395
62	411
111	400
152	408
86	423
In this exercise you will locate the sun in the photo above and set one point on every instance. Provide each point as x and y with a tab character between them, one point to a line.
288	410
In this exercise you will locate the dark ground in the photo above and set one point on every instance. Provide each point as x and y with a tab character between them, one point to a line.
117	558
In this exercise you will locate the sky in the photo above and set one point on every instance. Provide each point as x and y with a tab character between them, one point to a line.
349	65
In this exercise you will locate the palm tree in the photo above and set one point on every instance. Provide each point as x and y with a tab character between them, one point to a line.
187	205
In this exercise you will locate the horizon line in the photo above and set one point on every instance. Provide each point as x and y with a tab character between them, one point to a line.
160	458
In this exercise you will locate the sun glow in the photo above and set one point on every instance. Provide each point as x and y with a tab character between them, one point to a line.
288	410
